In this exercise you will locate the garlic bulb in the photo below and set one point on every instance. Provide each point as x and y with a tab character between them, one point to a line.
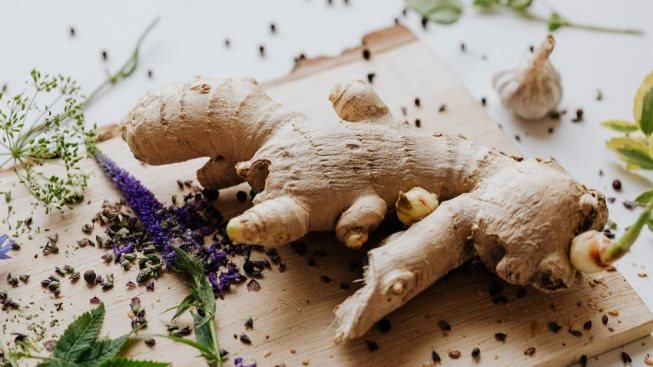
531	87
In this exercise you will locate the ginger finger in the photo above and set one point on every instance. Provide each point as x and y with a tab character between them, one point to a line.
360	219
271	223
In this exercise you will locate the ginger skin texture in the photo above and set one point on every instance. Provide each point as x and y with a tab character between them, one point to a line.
518	216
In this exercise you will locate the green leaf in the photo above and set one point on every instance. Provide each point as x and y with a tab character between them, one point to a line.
79	335
555	21
620	126
645	198
485	4
124	362
633	152
439	11
102	351
650	225
185	304
520	5
646	118
205	350
203	332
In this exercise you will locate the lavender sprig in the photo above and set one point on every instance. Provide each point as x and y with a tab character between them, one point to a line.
177	244
5	247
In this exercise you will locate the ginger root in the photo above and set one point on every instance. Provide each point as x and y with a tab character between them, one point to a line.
518	216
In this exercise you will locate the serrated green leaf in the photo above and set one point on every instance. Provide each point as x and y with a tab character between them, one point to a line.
555	21
645	198
203	332
101	351
633	152
646	118
79	335
620	126
485	4
439	11
520	5
124	362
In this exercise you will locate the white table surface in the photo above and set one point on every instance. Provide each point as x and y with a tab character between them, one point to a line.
189	40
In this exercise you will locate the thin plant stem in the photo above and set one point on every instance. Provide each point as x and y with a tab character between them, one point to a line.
126	70
214	336
565	23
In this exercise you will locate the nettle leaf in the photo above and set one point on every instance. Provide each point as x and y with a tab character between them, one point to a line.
555	21
438	11
102	351
79	335
620	126
634	152
645	198
520	5
124	362
646	117
203	332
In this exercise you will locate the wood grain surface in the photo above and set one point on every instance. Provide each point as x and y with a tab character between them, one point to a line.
293	311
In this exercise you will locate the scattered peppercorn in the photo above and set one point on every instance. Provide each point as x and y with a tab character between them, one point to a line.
417	102
418	123
344	285
579	116
630	205
530	351
241	196
227	43
444	325
454	354
245	339
554	327
616	184
604	319
384	325
583	361
531	48
261	50
273	28
366	54
476	353
150	342
149	74
435	357
484	101
599	95
442	108
105	55
249	323
577	333
370	77
626	358
425	21
587	325
371	345
462	47
500	337
72	32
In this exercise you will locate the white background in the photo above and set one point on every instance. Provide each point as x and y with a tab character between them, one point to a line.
189	40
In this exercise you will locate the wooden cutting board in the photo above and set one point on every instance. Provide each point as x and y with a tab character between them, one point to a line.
292	313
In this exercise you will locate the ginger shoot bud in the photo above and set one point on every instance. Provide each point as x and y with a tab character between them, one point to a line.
414	205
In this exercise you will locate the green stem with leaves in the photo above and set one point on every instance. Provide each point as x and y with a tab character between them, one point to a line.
620	247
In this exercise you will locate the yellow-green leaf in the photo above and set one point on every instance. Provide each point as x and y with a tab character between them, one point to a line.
646	118
621	126
643	89
645	198
439	11
634	152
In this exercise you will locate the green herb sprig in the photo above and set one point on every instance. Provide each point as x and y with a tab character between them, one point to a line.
449	11
80	346
48	126
635	148
202	298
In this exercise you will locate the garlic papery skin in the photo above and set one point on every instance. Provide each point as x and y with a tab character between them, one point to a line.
531	87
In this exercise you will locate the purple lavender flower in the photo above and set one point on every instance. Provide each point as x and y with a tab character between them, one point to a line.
117	251
5	247
239	363
221	283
